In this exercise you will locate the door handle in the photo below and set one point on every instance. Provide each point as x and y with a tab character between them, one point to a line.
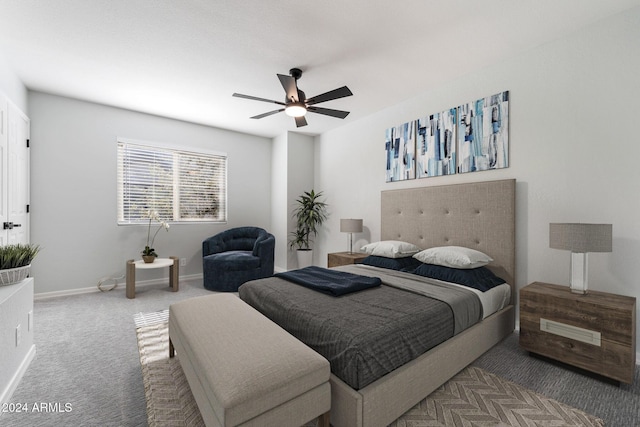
17	225
10	225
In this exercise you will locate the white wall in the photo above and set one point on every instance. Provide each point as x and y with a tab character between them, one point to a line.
300	159
73	190
574	151
279	200
12	87
293	159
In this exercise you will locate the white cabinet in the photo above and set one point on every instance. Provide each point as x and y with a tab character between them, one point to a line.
16	335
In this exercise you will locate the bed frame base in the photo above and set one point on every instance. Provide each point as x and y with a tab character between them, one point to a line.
385	400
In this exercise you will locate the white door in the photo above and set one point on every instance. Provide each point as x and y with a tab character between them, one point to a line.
4	214
14	174
18	177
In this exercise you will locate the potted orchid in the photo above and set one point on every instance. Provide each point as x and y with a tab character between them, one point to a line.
149	254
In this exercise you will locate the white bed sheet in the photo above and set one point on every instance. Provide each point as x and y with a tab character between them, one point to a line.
493	300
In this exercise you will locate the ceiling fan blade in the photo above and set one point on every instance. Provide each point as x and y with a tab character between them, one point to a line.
290	87
255	98
341	92
259	116
300	121
329	112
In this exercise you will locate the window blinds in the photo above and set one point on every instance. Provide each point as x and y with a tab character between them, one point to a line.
182	186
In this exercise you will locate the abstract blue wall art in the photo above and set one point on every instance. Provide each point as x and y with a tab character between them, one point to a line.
483	134
436	144
400	146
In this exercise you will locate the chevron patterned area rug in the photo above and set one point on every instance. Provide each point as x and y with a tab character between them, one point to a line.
473	397
169	398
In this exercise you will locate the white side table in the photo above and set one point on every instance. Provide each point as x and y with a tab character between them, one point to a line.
132	266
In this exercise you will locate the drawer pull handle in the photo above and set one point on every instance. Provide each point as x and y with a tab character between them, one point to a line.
571	332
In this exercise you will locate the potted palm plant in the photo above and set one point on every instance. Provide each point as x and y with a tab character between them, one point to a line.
310	212
15	262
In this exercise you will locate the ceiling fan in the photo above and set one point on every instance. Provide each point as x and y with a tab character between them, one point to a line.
296	104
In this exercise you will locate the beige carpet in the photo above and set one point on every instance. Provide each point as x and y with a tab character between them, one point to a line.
474	397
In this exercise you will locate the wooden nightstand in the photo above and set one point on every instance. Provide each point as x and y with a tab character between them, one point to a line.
345	258
595	332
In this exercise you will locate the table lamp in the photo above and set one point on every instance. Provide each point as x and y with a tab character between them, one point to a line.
580	239
351	226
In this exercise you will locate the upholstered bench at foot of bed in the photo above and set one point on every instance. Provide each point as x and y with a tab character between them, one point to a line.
243	369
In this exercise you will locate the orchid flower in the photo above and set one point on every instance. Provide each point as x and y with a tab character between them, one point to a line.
153	215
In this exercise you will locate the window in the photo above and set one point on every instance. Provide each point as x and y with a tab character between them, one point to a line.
182	186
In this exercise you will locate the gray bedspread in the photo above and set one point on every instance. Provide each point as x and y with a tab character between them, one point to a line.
466	306
365	334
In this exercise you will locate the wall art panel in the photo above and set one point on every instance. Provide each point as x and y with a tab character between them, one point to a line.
483	134
436	144
400	146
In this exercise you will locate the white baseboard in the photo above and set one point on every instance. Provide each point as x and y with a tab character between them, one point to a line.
15	380
139	284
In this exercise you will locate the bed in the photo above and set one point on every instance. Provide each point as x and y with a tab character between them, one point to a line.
480	216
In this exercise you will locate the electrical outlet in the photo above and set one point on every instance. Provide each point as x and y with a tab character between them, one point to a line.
30	324
183	262
18	335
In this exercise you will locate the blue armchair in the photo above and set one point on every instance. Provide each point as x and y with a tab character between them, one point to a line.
235	256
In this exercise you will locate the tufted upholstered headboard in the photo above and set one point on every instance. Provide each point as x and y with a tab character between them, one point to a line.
478	215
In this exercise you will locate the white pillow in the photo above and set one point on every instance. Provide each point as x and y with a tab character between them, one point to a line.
454	257
390	249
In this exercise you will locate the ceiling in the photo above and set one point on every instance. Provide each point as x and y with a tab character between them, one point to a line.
185	58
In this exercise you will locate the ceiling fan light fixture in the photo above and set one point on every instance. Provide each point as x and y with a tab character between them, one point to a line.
296	104
295	109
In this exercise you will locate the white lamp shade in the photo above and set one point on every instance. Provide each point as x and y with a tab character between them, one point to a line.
351	225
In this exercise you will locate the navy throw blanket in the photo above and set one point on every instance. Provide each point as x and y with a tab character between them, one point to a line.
331	282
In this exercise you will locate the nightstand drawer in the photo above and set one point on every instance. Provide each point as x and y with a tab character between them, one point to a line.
595	332
344	258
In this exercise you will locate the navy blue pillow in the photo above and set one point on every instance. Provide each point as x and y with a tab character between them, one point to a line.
480	278
400	264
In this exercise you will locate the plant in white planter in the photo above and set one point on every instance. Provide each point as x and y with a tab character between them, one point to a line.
310	212
15	262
